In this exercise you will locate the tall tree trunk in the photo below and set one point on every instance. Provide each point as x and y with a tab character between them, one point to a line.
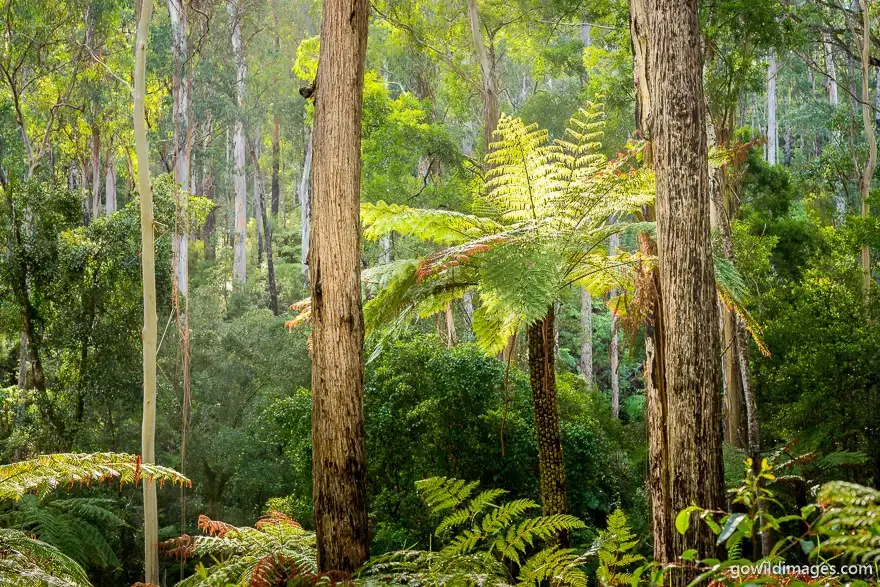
338	444
721	212
614	341
830	70
148	267
96	173
267	231
772	126
867	175
239	263
877	102
276	165
181	137
685	420
491	110
110	185
258	196
305	202
542	376
586	362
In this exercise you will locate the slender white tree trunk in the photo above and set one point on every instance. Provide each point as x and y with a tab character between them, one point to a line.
148	267
110	183
772	125
305	203
180	91
487	68
96	173
831	82
614	343
586	362
239	266
869	123
877	102
258	197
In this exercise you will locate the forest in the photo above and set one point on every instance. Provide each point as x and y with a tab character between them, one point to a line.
551	293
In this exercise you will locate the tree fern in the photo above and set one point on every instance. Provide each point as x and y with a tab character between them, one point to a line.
485	542
72	525
276	550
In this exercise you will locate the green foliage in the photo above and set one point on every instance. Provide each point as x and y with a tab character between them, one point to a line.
276	551
850	521
482	540
616	551
539	221
47	473
26	562
79	527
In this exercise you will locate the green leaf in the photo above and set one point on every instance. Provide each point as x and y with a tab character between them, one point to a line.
683	519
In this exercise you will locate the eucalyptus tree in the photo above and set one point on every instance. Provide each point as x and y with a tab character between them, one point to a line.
338	437
148	264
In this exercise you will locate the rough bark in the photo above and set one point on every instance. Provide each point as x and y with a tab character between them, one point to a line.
338	444
586	362
772	125
684	398
148	268
542	376
239	263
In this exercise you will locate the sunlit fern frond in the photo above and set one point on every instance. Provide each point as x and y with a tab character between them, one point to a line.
522	178
443	227
277	549
733	292
553	566
46	473
26	562
850	521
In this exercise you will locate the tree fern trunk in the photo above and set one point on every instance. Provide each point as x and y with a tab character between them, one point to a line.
338	443
542	376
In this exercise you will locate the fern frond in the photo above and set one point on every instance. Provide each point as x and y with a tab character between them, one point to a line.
46	473
28	562
443	227
442	493
554	566
851	520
